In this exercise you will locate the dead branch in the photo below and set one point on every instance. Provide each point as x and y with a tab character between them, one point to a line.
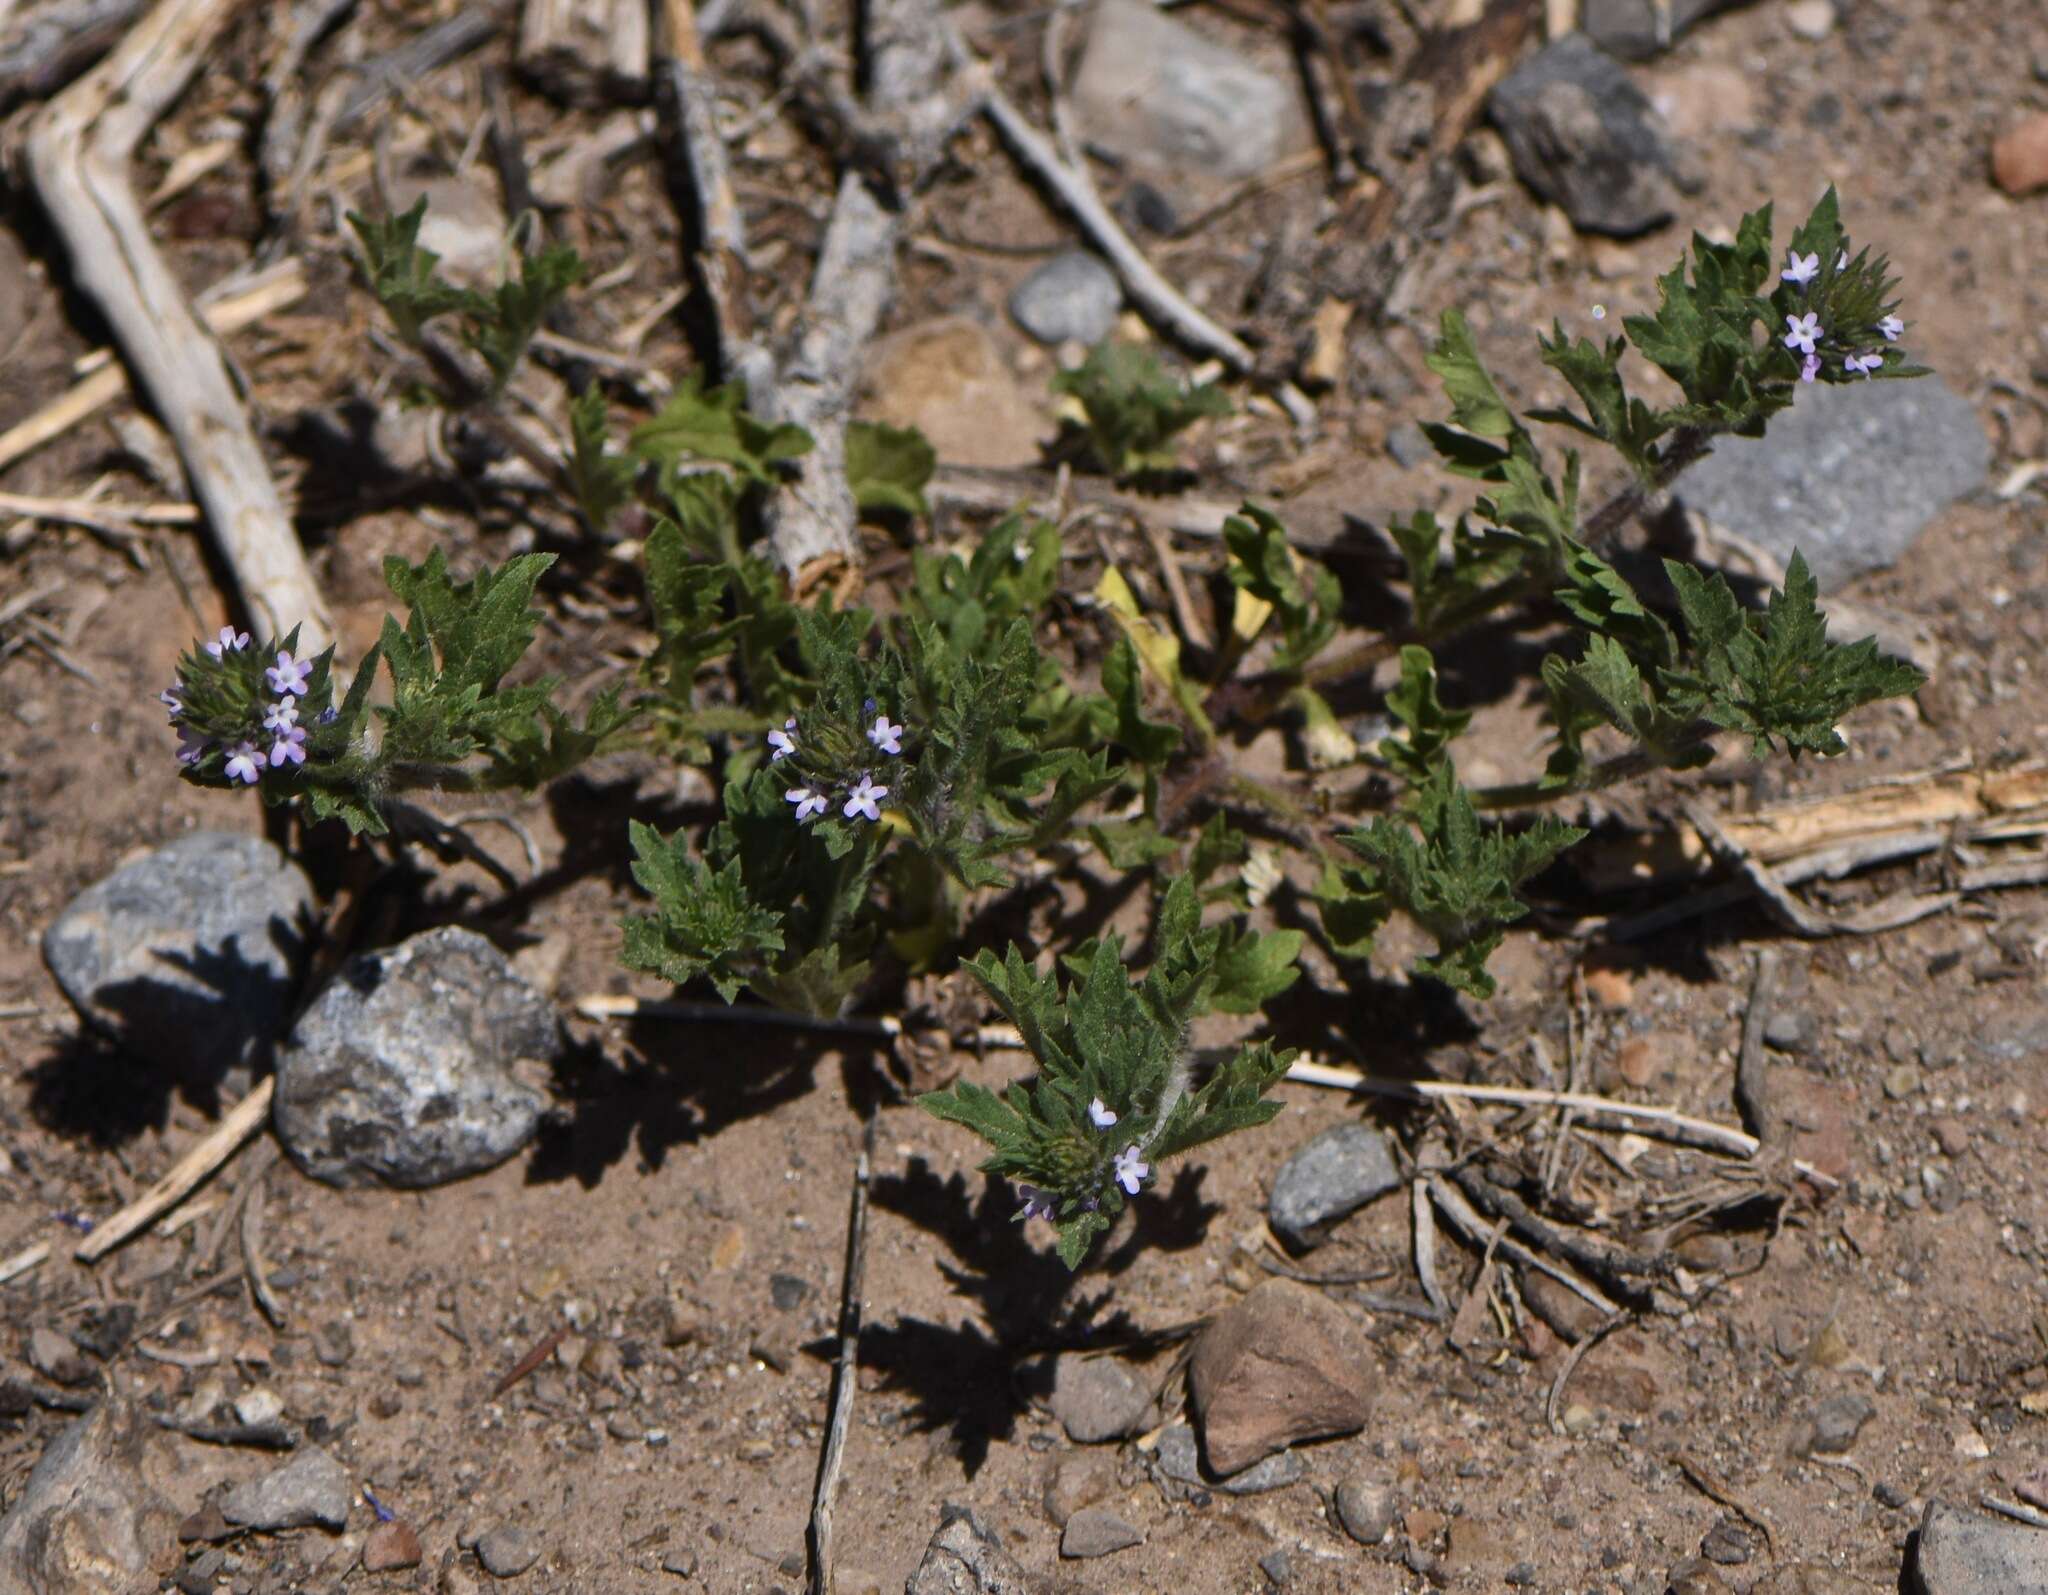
208	1153
78	152
1570	1365
378	79
585	51
845	1376
1752	1088
45	49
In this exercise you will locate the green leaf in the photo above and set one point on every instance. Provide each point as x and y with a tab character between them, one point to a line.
699	424
704	921
402	275
602	482
1476	404
1303	593
888	466
502	323
1252	968
1135	408
1429	726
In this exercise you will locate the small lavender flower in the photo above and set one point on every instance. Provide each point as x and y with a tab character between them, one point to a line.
866	799
1801	269
1101	1116
1809	368
781	741
1131	1170
245	763
887	737
1037	1204
327	716
807	802
281	715
191	746
1801	332
288	675
231	640
1865	363
1891	327
290	745
170	700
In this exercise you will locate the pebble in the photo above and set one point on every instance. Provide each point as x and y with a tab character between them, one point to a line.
55	1357
1812	20
1792	1029
1962	1552
1838	1420
259	1406
1092	1531
1278	1568
1077	1479
1180	1458
1409	447
400	1071
310	1489
1850	475
1073	296
1633	30
2019	157
1098	1398
191	951
464	225
507	1550
1327	1179
966	1557
1727	1543
390	1546
787	1292
682	1561
1365	1508
1583	136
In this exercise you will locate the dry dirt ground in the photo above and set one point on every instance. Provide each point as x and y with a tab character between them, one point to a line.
686	1207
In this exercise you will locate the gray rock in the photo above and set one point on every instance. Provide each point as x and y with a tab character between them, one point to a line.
400	1071
1161	97
190	953
1792	1030
1631	28
966	1557
1838	1420
57	1357
311	1488
1098	1398
1849	476
87	1520
1583	135
1095	1532
1180	1458
1278	1566
1073	296
1327	1179
1365	1509
1409	447
1964	1553
507	1550
465	225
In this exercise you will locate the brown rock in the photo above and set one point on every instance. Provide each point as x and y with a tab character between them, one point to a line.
2019	160
55	1357
1281	1365
1074	1481
88	1520
391	1545
945	378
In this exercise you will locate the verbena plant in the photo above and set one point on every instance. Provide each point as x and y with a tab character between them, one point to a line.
883	776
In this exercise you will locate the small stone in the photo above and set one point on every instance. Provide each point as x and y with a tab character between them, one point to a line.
454	1581
1695	1576
622	1426
1792	1029
508	1550
190	953
2019	158
197	1576
54	1357
1095	1532
389	1546
787	1292
679	1324
1950	1135
1365	1509
1901	1080
1180	1458
1889	1495
1282	1364
603	1362
1098	1398
1073	297
400	1072
1813	20
206	1525
1278	1568
310	1489
1327	1179
1727	1543
1837	1421
334	1343
682	1561
1521	1575
259	1406
1635	30
1409	446
1966	1553
966	1557
464	225
1075	1480
1583	136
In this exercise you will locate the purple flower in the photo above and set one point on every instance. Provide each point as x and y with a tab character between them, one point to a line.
169	699
1101	1116
866	799
1801	269
1809	368
245	763
1037	1204
230	639
1131	1170
807	802
1891	327
1865	363
327	716
191	746
782	742
290	745
288	675
1801	331
281	715
887	737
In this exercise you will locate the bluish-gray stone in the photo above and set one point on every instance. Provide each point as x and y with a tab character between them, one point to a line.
311	1488
1180	1458
1583	135
1848	476
1098	1398
1327	1179
1967	1553
189	955
1635	30
1072	297
400	1072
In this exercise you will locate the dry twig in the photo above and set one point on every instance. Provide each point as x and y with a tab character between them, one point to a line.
1570	1366
845	1372
207	1154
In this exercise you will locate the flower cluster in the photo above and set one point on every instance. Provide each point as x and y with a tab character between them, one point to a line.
1128	1167
829	775
1804	333
218	706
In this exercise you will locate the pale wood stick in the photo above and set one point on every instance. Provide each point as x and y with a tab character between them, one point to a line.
121	519
22	1261
845	1377
208	1153
252	1240
78	154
